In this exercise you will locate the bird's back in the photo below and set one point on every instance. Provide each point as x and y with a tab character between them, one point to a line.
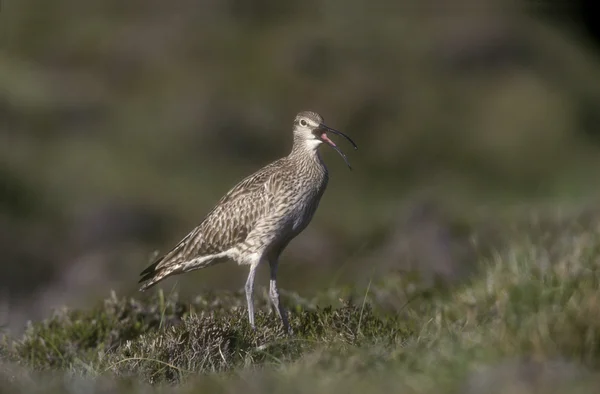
232	218
228	223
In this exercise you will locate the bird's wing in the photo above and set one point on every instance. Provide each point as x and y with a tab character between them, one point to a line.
228	223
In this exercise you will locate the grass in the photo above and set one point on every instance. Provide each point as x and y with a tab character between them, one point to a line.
527	321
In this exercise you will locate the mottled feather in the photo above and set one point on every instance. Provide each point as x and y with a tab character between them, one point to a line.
226	225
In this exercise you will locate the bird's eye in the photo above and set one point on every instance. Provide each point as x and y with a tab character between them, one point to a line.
303	123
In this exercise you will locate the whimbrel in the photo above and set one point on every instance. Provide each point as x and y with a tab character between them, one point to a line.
259	216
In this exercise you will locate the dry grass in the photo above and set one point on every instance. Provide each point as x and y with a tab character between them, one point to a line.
527	320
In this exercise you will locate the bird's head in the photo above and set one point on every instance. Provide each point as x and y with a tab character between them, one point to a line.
310	129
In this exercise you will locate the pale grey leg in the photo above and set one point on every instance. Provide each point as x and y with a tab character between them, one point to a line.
249	293
274	295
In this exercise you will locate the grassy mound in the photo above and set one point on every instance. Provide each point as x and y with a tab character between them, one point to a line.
530	318
160	338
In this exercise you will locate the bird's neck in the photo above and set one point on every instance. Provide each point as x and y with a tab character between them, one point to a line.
307	152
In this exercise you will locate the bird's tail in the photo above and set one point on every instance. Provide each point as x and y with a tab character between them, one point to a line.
182	258
153	274
167	265
161	268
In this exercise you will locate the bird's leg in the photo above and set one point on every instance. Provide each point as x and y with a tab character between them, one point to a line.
274	295
249	293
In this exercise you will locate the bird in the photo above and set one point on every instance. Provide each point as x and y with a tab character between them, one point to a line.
257	218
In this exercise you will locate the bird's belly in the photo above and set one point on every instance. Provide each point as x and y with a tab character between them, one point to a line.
302	216
300	224
299	217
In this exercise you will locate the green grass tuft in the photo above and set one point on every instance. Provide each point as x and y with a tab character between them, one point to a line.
75	336
223	341
528	318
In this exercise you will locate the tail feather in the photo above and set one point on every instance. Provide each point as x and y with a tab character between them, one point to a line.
150	271
182	258
163	266
151	275
157	271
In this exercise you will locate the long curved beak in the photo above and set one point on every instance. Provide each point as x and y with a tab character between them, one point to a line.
329	142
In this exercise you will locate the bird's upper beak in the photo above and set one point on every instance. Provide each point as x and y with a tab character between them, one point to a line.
323	129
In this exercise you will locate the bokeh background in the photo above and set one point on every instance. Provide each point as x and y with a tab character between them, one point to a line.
124	122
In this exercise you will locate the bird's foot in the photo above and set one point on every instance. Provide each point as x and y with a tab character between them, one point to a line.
288	330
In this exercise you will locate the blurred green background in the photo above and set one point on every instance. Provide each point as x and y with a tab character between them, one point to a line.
124	122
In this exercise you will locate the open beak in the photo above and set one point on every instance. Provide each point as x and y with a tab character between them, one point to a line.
324	129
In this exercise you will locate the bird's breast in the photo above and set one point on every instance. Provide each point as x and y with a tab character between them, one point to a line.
306	204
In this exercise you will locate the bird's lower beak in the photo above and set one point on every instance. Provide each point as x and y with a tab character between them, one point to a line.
324	129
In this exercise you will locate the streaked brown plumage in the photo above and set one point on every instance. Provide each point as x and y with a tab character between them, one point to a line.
259	216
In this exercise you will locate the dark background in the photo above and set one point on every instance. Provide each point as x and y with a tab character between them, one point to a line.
124	122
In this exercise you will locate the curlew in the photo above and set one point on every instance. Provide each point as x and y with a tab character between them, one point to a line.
259	216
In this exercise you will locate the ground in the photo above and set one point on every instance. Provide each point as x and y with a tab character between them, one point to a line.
526	320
